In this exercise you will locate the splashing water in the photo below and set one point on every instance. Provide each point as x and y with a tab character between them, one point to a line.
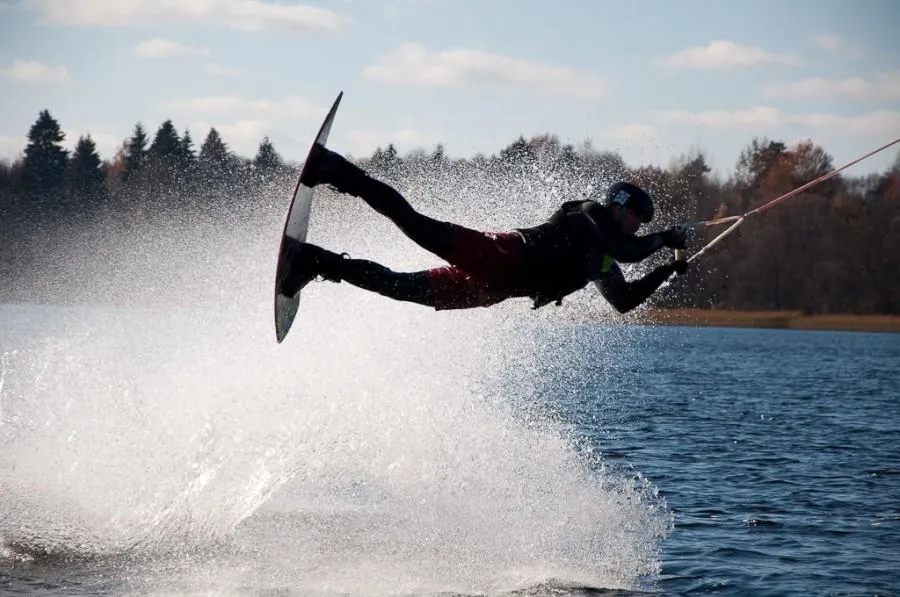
382	449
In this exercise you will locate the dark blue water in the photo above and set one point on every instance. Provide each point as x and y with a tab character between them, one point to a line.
779	451
774	454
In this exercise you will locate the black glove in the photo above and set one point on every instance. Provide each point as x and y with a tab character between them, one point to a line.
680	266
675	237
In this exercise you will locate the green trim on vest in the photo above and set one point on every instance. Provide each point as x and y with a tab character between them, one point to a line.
608	262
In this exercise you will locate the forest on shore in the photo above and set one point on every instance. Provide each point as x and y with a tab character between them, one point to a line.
831	250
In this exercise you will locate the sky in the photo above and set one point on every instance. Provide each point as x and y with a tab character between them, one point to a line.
651	79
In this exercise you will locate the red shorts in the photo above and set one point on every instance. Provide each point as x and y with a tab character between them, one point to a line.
483	270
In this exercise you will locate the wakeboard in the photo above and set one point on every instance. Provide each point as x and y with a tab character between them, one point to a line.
295	230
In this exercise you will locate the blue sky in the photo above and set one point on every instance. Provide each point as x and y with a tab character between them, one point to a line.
650	79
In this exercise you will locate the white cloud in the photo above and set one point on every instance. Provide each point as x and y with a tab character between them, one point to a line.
241	136
750	118
881	122
247	109
166	48
826	41
413	64
727	55
630	133
245	15
763	118
885	86
817	87
29	71
397	9
890	83
837	45
10	148
217	70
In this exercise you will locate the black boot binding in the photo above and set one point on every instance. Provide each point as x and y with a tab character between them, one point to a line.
330	168
306	261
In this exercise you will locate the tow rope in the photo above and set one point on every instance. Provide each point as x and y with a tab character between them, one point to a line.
736	221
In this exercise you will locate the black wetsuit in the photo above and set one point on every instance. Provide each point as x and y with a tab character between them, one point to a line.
557	257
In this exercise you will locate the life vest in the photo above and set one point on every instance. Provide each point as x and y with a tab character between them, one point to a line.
556	255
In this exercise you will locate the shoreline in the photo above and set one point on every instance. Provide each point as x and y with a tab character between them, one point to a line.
788	320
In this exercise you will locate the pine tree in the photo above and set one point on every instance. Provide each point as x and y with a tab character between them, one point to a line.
5	179
516	152
215	160
391	154
439	155
164	158
45	159
85	176
166	144
267	159
214	152
385	161
186	155
135	153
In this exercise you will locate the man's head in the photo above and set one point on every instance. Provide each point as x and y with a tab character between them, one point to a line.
631	205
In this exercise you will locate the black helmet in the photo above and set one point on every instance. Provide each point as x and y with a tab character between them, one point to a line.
632	197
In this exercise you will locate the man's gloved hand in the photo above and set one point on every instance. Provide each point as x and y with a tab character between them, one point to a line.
675	237
680	265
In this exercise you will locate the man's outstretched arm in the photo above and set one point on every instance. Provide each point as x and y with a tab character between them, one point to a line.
621	247
624	295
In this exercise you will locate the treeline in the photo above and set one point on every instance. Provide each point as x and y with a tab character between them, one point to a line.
833	249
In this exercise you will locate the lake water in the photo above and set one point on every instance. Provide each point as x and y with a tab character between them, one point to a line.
396	451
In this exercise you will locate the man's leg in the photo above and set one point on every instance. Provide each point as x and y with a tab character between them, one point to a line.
484	267
412	287
307	261
333	169
441	288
